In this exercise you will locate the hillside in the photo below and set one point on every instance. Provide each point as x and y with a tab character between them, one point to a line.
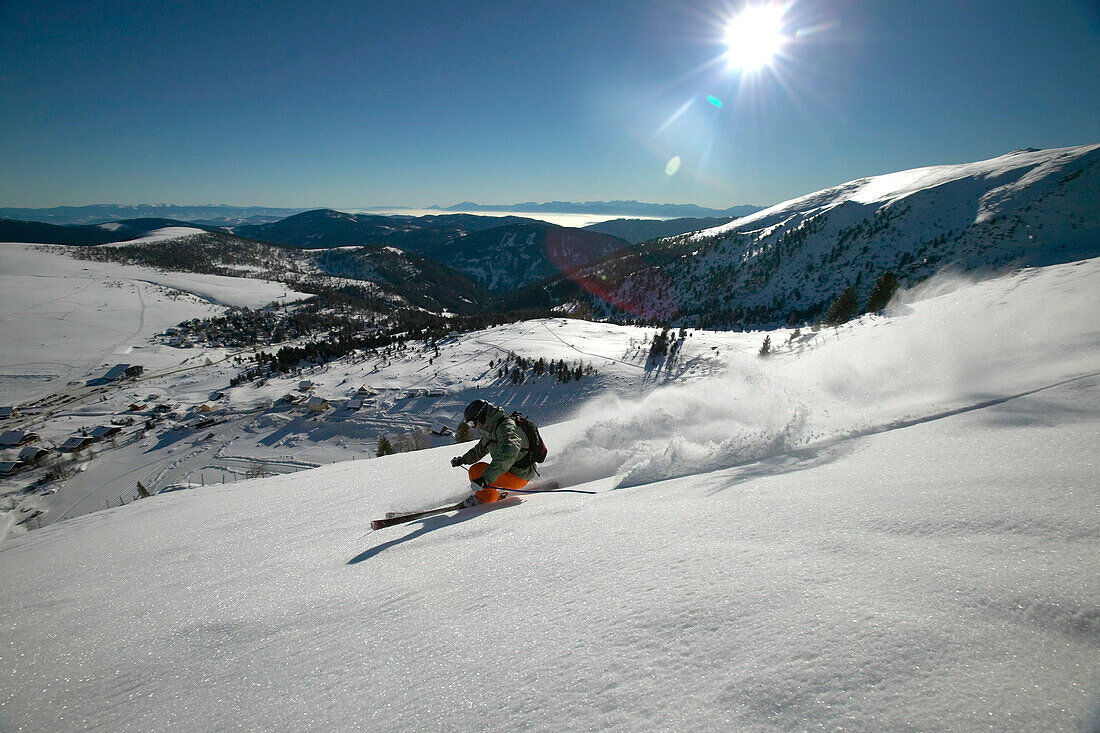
84	235
641	230
787	263
325	228
508	258
378	277
502	253
886	526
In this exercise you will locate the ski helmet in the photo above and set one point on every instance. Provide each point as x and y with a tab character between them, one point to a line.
475	411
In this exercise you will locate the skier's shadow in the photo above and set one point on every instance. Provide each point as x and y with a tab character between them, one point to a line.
429	524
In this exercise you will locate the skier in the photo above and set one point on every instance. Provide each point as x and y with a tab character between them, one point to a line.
512	465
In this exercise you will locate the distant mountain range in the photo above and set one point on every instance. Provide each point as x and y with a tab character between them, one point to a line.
232	216
213	215
780	265
613	208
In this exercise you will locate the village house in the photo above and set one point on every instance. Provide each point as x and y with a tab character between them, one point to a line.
32	454
317	404
305	385
75	443
353	404
7	468
100	432
7	411
15	438
123	371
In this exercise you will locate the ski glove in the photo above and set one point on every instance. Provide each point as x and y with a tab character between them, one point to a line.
456	461
478	484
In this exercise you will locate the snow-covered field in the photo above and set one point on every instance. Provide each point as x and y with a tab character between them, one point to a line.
890	526
64	318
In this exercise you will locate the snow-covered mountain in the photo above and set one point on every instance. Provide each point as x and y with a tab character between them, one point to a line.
122	230
787	263
892	525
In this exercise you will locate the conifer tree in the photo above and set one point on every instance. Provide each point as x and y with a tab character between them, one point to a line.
843	309
385	448
881	292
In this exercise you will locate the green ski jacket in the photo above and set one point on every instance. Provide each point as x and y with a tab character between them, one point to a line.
502	439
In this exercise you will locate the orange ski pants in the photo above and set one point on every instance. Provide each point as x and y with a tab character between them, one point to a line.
506	480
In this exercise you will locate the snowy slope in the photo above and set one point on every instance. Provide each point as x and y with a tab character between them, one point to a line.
889	526
67	322
790	261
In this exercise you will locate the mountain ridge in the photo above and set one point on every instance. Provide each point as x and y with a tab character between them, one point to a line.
782	265
212	214
787	263
624	208
228	215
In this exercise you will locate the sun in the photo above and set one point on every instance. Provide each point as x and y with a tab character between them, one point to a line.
755	36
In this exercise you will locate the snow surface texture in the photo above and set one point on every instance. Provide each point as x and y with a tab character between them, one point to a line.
894	529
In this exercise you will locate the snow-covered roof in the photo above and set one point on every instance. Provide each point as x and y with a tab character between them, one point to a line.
16	437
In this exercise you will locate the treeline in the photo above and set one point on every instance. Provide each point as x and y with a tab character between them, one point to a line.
521	369
846	306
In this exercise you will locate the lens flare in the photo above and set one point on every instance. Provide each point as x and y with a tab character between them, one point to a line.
672	166
631	285
714	100
755	36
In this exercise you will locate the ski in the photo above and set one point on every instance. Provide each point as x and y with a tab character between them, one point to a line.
402	518
392	519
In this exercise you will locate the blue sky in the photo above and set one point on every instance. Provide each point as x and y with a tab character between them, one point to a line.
421	103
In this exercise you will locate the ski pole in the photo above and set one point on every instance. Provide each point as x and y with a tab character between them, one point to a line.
550	491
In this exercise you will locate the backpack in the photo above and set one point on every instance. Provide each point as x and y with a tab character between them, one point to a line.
536	449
